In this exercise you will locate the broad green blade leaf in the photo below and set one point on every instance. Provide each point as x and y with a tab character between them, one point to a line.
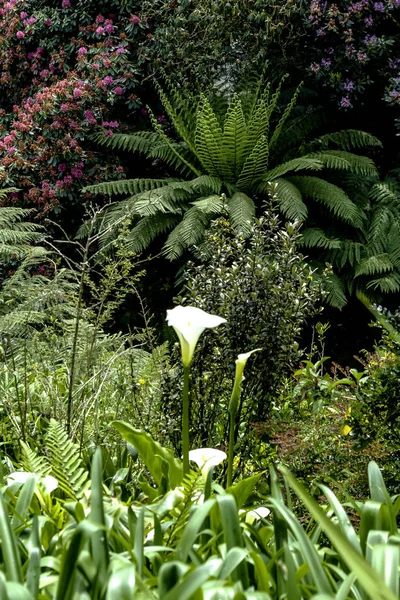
386	562
121	585
23	502
192	529
169	576
139	541
370	580
232	560
374	516
33	572
379	492
98	542
185	589
233	534
343	520
151	452
11	558
242	490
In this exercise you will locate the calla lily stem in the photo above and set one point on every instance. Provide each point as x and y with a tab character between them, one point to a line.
233	406
185	420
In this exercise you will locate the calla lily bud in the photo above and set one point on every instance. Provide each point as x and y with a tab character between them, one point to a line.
189	323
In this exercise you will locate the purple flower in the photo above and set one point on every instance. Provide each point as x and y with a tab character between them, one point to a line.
345	102
62	167
161	118
100	19
144	112
20	35
107	80
118	91
64	107
109	28
100	30
89	116
82	51
68	180
320	32
135	19
370	40
379	6
11	150
48	22
368	21
66	4
326	63
77	92
77	173
120	50
23	15
348	85
31	20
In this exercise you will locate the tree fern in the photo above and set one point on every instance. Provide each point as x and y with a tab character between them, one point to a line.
226	143
16	234
32	462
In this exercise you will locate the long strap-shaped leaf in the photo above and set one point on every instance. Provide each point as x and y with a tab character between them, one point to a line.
367	576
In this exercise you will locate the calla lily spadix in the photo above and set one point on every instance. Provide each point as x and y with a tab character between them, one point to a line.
189	323
205	458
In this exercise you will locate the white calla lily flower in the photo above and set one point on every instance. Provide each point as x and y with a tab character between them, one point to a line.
48	483
205	458
189	323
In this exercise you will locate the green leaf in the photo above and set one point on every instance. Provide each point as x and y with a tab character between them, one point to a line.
152	454
8	541
368	578
121	585
242	490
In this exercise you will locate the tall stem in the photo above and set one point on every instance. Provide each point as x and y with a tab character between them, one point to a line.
185	420
233	409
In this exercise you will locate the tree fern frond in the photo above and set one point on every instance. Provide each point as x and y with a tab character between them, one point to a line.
212	205
65	461
148	229
178	110
174	148
289	199
188	232
385	192
334	288
275	97
338	159
141	141
234	137
373	265
127	186
386	284
241	210
209	138
330	195
284	117
317	238
348	139
205	184
296	164
255	165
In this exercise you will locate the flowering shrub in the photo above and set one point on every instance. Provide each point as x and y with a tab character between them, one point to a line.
355	46
64	71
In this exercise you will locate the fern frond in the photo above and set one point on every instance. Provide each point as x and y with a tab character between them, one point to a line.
206	184
317	238
188	232
387	284
65	461
241	210
212	205
32	462
148	229
330	195
348	139
334	287
255	165
373	265
209	138
288	197
234	137
179	109
141	141
346	161
192	486
127	186
284	117
296	164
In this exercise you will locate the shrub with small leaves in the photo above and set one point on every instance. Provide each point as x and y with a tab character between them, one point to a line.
264	289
